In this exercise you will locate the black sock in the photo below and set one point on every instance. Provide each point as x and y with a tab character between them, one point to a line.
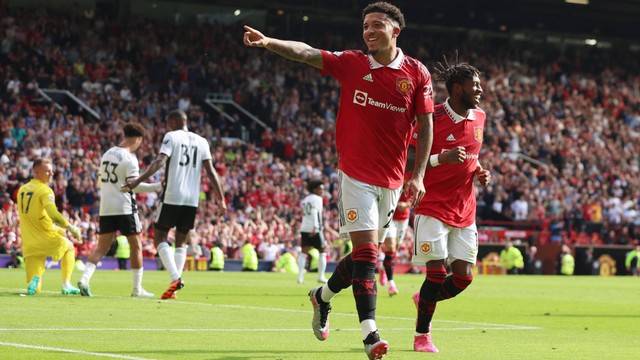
428	298
342	278
388	263
365	291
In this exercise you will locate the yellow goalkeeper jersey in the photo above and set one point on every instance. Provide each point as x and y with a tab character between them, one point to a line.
38	213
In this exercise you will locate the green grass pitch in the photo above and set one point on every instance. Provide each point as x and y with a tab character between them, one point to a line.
267	316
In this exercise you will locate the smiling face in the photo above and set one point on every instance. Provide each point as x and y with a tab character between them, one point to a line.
379	33
471	92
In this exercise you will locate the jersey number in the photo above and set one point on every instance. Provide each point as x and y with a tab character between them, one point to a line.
185	159
107	176
307	209
390	216
30	195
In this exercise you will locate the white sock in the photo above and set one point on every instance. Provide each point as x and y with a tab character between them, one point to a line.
181	257
137	278
327	295
169	263
322	265
392	283
368	326
302	261
66	284
89	269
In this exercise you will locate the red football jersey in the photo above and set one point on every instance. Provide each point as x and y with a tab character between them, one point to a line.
377	107
450	195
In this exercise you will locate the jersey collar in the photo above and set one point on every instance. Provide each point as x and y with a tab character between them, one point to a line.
454	115
395	64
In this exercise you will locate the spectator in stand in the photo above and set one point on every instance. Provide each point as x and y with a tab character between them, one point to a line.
369	189
520	208
567	262
511	259
632	261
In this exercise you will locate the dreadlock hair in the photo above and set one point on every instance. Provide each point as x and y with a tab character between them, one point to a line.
454	73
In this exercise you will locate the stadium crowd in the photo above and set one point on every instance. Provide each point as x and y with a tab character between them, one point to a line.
561	137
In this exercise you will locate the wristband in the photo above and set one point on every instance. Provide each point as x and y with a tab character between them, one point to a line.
433	160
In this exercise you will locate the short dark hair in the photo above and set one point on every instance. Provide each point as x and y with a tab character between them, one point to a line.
386	8
134	130
314	184
177	115
455	73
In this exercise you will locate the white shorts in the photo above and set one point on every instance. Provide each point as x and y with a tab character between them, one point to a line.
435	240
365	207
397	229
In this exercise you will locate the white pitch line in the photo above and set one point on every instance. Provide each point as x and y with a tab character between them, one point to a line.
71	351
477	325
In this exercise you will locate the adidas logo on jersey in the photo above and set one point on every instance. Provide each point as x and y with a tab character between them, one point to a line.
368	77
451	138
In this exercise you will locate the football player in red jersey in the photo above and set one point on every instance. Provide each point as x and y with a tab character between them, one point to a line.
382	92
445	228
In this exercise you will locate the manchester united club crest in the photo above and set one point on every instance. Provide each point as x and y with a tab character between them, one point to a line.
403	85
425	248
477	133
352	215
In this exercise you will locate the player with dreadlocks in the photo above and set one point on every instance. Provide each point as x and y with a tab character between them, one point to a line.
445	228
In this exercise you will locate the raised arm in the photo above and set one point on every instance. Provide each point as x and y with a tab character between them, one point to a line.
292	50
415	185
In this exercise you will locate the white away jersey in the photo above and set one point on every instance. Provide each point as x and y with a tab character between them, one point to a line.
312	213
116	166
186	152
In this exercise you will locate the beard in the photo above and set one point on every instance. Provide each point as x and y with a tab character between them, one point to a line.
374	52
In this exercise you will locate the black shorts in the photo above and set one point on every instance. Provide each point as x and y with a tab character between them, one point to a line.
316	241
126	224
181	217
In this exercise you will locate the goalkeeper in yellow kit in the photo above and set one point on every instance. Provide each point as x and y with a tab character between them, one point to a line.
43	230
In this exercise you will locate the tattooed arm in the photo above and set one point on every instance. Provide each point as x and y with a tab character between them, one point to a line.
292	50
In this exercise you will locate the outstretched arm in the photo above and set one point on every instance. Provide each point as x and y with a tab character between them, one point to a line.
158	163
292	50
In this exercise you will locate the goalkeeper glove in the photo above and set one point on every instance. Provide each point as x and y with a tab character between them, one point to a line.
75	231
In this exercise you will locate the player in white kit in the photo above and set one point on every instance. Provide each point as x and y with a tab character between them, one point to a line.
118	210
312	230
184	154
